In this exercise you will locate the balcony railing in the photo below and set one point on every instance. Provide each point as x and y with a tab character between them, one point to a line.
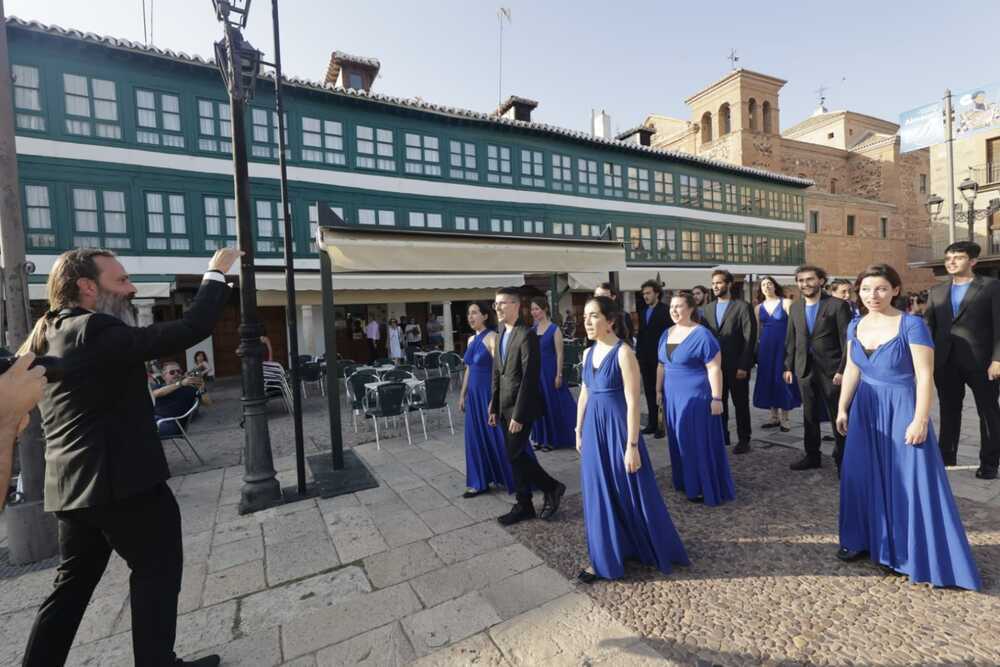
986	174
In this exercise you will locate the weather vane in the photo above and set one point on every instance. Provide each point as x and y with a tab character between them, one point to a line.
733	58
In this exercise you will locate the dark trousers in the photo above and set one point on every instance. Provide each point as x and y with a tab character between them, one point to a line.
819	391
648	373
951	380
372	349
145	530
739	391
528	472
410	349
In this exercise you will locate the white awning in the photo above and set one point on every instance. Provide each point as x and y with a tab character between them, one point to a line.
39	292
310	282
380	250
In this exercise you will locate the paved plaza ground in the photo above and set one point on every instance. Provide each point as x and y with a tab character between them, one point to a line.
411	572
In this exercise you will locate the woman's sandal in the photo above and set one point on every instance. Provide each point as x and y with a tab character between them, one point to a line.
586	577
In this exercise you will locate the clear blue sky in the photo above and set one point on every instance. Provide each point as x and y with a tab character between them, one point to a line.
877	57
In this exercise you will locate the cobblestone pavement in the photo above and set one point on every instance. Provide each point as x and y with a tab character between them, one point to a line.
410	572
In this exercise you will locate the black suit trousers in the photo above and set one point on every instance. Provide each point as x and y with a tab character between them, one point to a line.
145	530
528	472
951	379
648	372
819	391
739	391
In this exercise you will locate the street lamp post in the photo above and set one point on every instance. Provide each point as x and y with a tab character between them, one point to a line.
969	189
239	64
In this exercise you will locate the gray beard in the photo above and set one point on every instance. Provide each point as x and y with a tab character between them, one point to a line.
116	306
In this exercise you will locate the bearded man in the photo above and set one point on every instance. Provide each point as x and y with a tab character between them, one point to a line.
105	472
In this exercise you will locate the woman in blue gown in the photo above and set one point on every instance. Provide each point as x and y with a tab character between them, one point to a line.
554	429
623	511
485	456
770	391
896	504
689	387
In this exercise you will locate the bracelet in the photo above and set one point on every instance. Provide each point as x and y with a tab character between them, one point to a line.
716	399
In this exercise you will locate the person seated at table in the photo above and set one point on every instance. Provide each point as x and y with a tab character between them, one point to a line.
176	394
202	365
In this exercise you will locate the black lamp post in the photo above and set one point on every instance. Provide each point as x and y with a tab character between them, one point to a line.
239	64
969	189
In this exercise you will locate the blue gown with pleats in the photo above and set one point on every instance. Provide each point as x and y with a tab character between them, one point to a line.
624	514
895	499
556	428
485	455
695	438
770	389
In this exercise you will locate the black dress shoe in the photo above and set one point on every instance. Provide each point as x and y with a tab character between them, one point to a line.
587	577
848	556
806	463
472	493
828	438
697	499
741	448
552	500
659	435
207	661
949	461
785	429
517	514
649	430
986	473
771	425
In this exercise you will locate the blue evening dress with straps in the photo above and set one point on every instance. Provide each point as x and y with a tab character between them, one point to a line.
895	499
770	389
624	514
556	428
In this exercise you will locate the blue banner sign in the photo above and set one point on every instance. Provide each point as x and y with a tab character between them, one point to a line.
976	110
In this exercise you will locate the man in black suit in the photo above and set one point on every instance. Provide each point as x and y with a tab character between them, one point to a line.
734	325
653	321
515	403
105	472
963	315
815	354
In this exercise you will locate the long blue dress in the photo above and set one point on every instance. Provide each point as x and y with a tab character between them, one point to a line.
770	389
624	514
895	499
697	444
485	456
556	428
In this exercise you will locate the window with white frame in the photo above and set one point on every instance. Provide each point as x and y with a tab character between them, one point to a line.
746	199
381	217
562	172
638	183
593	231
375	148
99	219
314	222
620	233
663	187
214	127
613	186
730	201
270	229
666	243
532	227
425	220
422	155
690	244
158	119
166	226
91	107
39	217
464	223
463	161
690	192
563	229
265	134
27	98
504	225
323	141
532	169
773	209
586	177
712	194
712	243
220	222
498	165
640	242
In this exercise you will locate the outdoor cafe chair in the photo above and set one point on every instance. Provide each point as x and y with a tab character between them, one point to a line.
396	376
390	400
433	395
172	428
382	361
312	373
432	362
356	392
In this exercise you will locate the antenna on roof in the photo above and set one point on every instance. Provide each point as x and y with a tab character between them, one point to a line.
502	13
733	59
145	34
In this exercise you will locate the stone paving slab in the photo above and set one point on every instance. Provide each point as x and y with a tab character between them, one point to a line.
449	622
387	646
401	564
470	541
474	574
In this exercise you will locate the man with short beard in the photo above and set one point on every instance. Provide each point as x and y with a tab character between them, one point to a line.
105	472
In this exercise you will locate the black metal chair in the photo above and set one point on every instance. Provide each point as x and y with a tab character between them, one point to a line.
433	395
312	373
453	365
408	368
396	376
390	401
356	392
171	428
382	361
432	362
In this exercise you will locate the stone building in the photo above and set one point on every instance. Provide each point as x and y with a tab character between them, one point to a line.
867	204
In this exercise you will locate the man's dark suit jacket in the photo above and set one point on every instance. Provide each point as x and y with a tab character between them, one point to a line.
828	339
973	334
517	388
101	443
737	334
648	338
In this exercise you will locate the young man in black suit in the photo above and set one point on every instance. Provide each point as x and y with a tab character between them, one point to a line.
815	356
105	472
963	315
516	402
735	327
653	321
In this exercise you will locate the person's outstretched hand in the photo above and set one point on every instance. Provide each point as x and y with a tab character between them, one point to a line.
223	259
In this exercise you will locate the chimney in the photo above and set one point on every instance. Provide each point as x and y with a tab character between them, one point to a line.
347	71
516	108
600	124
642	135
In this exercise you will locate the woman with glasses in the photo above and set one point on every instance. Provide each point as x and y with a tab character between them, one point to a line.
554	429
